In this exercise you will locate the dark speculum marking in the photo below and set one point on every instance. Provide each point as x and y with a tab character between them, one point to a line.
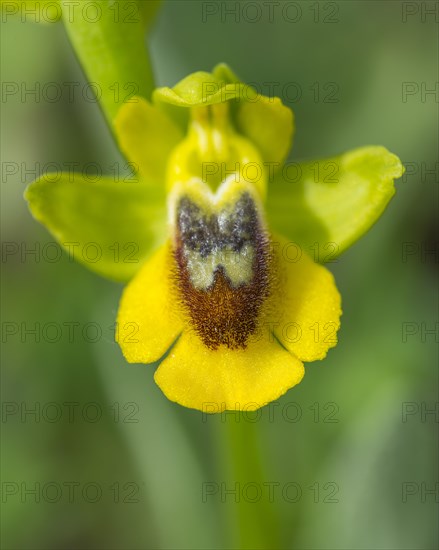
223	270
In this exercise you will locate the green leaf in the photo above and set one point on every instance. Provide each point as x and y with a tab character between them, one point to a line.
118	222
111	49
35	11
49	11
146	136
334	201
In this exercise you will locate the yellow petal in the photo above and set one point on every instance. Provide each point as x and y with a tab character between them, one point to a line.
269	124
212	381
307	309
146	136
149	319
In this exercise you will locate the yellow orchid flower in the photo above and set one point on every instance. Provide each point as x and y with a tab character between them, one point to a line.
230	303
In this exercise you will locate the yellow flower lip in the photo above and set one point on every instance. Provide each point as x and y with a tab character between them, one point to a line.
226	341
222	263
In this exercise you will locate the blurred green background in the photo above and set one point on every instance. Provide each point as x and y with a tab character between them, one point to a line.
351	452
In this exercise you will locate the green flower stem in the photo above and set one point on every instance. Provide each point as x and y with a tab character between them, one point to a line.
257	521
110	44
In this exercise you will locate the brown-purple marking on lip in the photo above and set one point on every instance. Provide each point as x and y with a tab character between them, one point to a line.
222	313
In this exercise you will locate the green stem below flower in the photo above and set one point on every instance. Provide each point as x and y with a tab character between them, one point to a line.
257	520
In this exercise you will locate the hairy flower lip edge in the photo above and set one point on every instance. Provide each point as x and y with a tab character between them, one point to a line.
177	388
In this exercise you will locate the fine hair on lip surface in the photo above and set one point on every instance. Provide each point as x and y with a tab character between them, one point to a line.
223	304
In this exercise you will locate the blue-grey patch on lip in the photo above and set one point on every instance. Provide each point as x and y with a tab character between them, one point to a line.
232	228
223	271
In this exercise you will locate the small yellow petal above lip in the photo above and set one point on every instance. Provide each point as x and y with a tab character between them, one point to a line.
149	320
225	379
307	307
147	136
269	124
